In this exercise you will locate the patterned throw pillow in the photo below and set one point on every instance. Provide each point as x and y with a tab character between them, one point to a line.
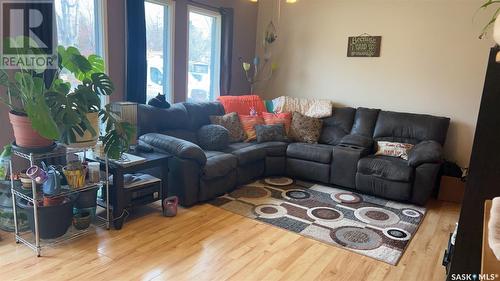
249	122
231	122
305	129
213	137
394	149
278	118
267	133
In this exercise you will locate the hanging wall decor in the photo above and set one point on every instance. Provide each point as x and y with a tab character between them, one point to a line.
364	46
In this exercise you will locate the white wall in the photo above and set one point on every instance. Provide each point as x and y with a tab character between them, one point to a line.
431	59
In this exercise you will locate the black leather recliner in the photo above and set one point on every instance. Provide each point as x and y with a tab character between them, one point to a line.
343	157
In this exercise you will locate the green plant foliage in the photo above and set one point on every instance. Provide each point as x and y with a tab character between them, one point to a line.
70	106
486	5
118	134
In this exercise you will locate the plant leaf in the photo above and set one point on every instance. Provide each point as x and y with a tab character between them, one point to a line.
102	84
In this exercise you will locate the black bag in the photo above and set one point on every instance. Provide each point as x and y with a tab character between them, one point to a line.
451	169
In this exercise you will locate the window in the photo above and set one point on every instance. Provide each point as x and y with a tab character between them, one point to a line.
158	41
204	44
80	24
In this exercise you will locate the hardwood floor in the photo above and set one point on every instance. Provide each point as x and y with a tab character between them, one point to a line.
208	243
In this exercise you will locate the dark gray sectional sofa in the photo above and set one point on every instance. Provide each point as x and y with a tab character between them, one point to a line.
343	157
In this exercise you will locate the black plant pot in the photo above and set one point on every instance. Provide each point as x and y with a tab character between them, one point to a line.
87	199
53	221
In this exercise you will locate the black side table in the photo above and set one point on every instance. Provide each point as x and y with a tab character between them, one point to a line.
119	196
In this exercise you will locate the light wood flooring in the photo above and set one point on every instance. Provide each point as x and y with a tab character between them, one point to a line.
208	243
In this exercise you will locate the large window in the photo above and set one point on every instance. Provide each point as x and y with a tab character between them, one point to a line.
204	46
158	39
80	24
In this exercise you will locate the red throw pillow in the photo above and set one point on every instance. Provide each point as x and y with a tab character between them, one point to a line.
248	123
242	104
278	118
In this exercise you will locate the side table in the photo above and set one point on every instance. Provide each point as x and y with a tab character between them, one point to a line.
119	196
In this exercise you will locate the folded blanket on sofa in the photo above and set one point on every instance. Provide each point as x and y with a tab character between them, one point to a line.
310	107
242	104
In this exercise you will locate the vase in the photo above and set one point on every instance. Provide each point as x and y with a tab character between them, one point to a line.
25	135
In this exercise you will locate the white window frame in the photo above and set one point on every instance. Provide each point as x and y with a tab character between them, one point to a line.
215	70
169	46
101	30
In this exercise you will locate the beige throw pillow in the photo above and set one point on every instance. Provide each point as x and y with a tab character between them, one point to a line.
394	149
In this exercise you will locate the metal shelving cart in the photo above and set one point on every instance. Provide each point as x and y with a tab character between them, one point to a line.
31	238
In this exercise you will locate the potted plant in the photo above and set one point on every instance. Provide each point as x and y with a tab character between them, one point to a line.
77	109
29	113
75	106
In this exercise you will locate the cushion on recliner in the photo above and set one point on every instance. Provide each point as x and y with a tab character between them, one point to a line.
213	137
186	135
321	153
386	167
247	154
364	121
410	128
274	148
337	126
218	164
154	120
237	145
199	113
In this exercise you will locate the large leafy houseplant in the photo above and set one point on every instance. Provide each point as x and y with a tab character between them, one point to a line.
71	105
24	94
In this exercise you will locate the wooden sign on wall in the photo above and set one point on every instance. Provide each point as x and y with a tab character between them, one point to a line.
364	46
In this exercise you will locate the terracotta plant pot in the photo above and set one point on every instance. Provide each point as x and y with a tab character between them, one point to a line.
87	139
52	201
24	134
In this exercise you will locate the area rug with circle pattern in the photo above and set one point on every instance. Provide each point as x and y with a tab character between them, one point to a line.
372	226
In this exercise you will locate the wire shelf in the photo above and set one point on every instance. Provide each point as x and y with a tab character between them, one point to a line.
32	239
66	190
59	151
28	238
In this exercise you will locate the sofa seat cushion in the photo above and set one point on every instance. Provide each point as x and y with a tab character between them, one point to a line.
218	164
273	148
246	154
386	167
321	153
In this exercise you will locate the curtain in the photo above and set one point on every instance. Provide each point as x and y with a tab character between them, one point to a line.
227	16
136	66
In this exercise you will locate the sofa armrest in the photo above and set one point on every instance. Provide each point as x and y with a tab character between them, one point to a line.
177	147
425	152
357	140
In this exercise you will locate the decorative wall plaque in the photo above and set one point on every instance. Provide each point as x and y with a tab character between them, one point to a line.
364	46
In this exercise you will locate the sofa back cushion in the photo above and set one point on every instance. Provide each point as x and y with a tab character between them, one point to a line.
199	113
364	121
182	134
410	128
154	120
337	126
